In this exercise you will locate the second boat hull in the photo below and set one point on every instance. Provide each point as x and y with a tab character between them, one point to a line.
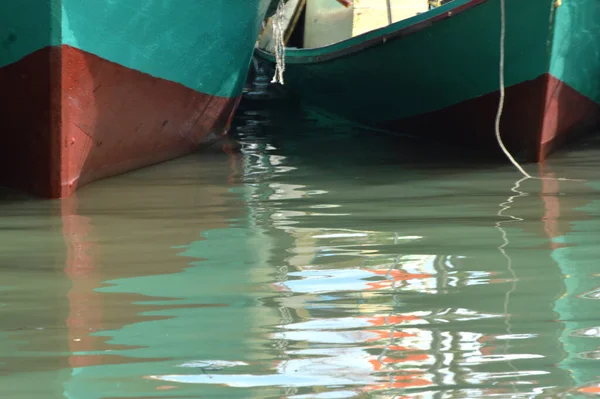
538	117
436	75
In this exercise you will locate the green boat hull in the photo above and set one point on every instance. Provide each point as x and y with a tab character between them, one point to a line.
436	75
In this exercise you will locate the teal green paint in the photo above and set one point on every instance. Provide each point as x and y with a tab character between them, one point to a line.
451	61
27	26
205	45
292	52
576	46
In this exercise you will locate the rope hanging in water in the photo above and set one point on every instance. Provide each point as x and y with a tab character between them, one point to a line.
502	89
501	103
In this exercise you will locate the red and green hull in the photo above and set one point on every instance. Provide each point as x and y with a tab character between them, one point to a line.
436	75
538	116
94	88
74	118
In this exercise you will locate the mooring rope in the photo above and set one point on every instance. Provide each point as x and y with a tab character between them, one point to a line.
502	90
504	206
501	103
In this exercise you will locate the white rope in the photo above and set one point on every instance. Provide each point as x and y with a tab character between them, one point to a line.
502	248
501	103
502	89
278	32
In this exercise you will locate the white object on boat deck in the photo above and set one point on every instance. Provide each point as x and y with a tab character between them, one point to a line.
329	22
326	22
374	14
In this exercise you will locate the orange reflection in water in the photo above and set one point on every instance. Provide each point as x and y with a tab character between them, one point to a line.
393	276
88	263
85	305
397	354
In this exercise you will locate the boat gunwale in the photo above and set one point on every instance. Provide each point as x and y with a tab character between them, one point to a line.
397	30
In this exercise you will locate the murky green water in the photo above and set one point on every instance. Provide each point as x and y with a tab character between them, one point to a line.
322	263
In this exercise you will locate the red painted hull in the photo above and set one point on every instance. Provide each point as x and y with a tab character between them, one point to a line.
539	116
71	118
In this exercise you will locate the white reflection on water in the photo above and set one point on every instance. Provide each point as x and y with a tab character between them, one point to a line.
355	313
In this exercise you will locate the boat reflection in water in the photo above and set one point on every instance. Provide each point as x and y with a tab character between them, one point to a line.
262	276
575	252
419	303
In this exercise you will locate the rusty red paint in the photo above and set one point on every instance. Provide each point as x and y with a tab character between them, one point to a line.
539	116
72	118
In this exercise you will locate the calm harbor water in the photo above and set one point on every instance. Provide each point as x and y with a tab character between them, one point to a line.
322	262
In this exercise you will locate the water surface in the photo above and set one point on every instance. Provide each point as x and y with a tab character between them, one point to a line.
322	262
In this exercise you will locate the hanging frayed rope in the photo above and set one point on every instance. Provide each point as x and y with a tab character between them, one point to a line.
278	33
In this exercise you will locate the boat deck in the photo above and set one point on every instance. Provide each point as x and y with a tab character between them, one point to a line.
327	21
373	14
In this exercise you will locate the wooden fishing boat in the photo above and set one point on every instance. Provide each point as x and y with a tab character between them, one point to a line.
435	72
93	88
